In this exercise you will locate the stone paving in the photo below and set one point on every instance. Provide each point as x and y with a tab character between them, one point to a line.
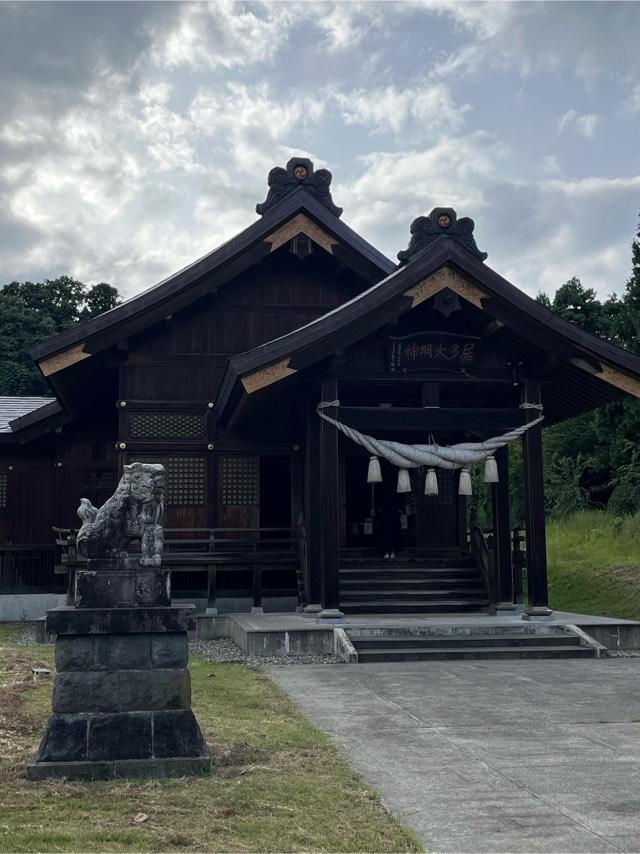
490	756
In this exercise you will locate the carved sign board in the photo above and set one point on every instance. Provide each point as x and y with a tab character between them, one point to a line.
434	351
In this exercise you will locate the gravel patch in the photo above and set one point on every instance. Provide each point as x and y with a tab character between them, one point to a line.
224	649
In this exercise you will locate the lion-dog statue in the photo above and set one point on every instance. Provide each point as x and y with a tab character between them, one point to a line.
134	512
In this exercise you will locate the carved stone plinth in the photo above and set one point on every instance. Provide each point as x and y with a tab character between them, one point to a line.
122	692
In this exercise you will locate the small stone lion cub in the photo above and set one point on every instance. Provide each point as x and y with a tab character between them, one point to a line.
134	512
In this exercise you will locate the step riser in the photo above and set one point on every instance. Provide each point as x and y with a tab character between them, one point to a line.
417	608
474	654
352	598
374	581
479	641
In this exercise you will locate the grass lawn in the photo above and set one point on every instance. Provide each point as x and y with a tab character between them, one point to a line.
279	784
594	564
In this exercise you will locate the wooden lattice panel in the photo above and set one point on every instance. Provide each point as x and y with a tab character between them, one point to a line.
3	491
169	425
239	477
185	479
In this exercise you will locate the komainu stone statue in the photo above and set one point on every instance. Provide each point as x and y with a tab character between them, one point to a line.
121	704
134	512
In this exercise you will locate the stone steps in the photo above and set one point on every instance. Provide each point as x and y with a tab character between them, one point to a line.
461	642
445	653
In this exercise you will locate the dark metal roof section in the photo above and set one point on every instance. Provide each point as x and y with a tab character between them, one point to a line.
299	172
441	222
14	408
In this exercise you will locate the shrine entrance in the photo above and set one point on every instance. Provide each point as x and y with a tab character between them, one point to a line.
376	516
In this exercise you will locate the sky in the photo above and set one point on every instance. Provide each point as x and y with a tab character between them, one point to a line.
136	137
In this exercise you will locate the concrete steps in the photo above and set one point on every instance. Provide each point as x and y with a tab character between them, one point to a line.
495	642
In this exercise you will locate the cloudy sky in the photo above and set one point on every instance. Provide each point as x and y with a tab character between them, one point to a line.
135	137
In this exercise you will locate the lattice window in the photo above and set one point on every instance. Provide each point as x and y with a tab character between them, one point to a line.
239	477
170	425
3	491
185	478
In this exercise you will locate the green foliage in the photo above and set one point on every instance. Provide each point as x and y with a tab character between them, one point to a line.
563	492
625	498
594	564
608	473
30	312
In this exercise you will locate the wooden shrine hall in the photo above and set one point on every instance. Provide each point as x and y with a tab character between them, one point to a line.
251	373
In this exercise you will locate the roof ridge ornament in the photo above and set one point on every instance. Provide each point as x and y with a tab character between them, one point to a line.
299	172
441	221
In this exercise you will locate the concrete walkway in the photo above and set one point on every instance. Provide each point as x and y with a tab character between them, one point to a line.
490	756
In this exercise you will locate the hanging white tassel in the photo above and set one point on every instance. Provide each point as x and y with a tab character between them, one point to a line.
464	487
404	481
431	483
374	475
491	470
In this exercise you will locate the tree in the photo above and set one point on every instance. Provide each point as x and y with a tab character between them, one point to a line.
627	325
30	312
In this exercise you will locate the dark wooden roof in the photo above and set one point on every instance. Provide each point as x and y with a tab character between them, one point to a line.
213	269
583	354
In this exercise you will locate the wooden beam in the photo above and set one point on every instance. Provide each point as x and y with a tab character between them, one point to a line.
330	584
60	361
502	530
431	418
534	508
267	376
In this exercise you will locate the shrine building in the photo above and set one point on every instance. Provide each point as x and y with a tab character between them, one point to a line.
323	414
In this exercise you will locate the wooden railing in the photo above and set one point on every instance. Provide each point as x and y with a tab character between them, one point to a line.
29	568
259	551
485	558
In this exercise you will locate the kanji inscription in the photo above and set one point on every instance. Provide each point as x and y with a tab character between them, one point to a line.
433	350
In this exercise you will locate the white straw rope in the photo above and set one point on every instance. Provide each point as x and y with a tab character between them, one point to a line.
434	455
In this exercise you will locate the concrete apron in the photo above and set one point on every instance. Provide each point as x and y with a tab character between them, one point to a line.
298	634
486	756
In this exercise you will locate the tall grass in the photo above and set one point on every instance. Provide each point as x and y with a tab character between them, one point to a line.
594	564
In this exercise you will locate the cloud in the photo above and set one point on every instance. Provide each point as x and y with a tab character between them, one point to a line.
584	125
390	108
222	34
537	233
587	41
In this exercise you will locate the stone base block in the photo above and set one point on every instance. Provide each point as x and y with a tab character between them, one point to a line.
100	740
149	768
120	621
122	588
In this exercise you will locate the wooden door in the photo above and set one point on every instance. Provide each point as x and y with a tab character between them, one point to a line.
437	515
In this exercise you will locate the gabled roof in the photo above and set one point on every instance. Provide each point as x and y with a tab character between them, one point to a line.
297	208
441	262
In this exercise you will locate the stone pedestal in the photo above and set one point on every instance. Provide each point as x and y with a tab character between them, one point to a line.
122	692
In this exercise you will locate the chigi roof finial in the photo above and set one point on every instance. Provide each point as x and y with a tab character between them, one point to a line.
299	173
441	221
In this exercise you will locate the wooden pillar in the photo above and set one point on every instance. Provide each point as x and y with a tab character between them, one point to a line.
330	582
502	533
314	519
534	509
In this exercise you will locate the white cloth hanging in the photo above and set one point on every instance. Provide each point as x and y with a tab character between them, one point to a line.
434	455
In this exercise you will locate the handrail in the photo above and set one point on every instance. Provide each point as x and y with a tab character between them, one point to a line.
480	549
